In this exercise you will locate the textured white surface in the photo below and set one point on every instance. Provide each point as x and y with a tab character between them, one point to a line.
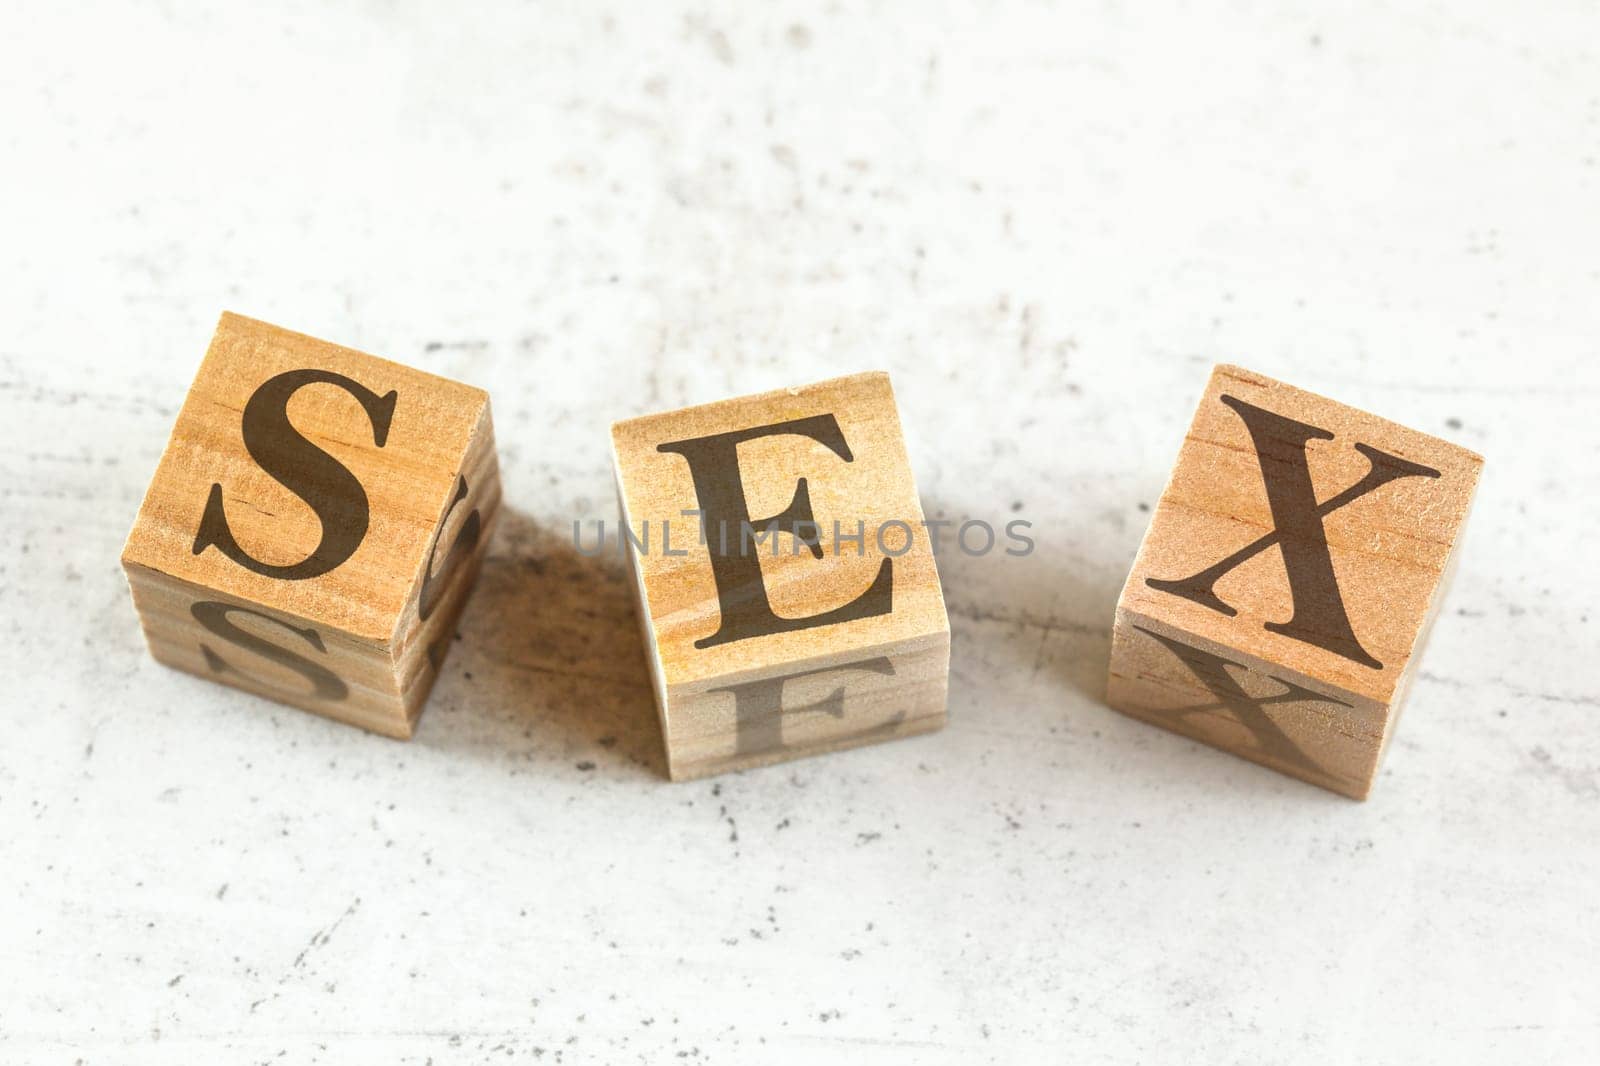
1046	223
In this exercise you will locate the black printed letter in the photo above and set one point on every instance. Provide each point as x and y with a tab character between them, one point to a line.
1319	615
325	684
741	594
306	470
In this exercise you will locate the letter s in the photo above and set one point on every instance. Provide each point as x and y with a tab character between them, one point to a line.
325	684
433	588
319	479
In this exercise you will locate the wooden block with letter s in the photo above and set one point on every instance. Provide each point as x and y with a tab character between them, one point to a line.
315	525
1282	596
787	587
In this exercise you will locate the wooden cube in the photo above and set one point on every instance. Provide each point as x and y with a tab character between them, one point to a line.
315	525
787	586
1282	595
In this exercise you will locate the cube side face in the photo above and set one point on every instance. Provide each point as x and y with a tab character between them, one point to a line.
820	707
828	461
1303	533
305	477
1201	690
222	638
450	568
303	487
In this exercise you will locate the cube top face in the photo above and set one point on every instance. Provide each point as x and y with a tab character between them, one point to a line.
831	453
1303	534
307	478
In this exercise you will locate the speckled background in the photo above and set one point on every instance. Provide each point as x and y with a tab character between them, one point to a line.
1047	223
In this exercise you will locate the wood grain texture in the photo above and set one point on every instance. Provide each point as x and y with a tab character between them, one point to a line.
1283	591
732	697
390	563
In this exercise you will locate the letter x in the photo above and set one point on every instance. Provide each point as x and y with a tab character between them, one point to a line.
1249	711
1319	615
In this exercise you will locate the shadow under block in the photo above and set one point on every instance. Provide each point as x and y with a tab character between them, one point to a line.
315	525
768	646
1284	590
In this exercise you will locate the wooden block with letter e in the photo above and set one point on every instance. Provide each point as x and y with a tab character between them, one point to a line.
1283	593
315	525
787	586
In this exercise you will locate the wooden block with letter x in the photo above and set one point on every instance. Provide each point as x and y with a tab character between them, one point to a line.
1283	593
787	586
315	525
